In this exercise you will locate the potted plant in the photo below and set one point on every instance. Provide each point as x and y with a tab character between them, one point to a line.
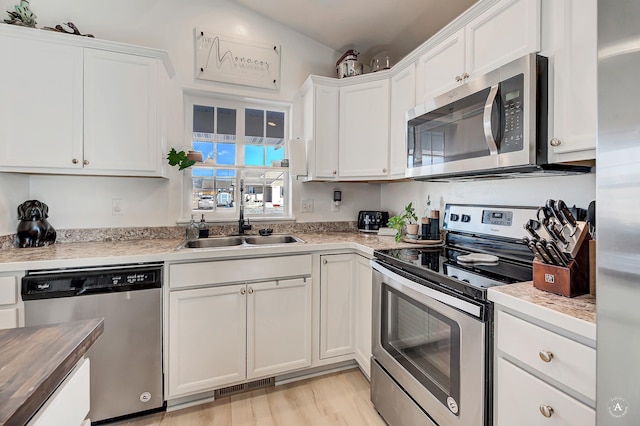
183	159
407	218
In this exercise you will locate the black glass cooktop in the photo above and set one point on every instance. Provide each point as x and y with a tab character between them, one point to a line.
441	264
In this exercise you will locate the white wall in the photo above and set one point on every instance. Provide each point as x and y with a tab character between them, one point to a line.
14	189
83	202
577	189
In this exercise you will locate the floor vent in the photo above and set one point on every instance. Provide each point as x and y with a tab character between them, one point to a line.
244	387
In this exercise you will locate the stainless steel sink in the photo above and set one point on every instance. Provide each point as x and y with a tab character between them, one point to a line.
241	240
271	239
214	242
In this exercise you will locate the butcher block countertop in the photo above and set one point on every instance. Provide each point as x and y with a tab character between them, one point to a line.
35	360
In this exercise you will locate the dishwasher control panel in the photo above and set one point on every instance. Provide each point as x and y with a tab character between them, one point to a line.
70	282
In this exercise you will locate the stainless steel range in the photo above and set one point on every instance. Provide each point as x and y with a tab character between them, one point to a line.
432	322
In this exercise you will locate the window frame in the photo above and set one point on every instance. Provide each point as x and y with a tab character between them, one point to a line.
191	98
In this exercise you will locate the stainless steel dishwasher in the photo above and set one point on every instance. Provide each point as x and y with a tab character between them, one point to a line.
126	361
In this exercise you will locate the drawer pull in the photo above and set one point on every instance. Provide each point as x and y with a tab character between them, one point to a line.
546	356
546	410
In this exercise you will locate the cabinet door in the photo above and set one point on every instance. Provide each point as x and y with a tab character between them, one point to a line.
121	123
505	32
207	338
441	68
364	130
364	291
321	130
40	105
403	98
278	326
573	101
337	305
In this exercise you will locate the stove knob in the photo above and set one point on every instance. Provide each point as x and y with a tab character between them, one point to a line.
466	218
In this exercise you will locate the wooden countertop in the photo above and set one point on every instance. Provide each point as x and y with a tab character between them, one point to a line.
35	360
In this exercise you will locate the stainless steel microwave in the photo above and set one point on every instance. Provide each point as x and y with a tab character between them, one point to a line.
492	126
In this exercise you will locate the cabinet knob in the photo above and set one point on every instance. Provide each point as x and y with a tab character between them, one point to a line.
546	410
74	161
458	78
546	356
250	290
335	172
555	142
243	290
465	76
324	261
85	162
384	170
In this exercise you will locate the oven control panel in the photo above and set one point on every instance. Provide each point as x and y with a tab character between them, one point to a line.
497	217
494	220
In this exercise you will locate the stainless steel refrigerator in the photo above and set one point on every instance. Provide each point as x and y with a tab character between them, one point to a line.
618	213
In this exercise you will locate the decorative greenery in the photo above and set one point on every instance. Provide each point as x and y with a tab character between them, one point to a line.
179	159
398	222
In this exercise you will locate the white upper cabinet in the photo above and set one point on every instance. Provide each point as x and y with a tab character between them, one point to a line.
80	106
121	119
504	32
321	131
570	42
364	130
403	98
41	104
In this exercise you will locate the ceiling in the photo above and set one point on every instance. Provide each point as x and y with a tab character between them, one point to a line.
368	26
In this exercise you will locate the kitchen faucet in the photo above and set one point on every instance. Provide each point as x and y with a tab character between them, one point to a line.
241	225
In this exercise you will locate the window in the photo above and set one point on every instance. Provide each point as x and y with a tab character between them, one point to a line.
237	141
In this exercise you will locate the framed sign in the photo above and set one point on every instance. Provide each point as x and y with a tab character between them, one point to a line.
237	61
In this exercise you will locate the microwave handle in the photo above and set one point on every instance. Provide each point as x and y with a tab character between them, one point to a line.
486	120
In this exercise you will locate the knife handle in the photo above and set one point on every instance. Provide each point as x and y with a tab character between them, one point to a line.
546	256
556	254
568	216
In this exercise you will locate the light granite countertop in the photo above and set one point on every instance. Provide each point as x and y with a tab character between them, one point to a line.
62	255
576	314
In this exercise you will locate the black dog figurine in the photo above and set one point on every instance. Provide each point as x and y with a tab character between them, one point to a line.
34	230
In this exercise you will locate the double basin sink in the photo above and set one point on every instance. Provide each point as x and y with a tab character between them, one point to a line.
241	240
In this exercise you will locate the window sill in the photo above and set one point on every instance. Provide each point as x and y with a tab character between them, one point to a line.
227	221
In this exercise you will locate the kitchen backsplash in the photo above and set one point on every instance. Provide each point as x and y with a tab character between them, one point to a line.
177	232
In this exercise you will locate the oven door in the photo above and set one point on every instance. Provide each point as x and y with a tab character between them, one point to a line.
434	345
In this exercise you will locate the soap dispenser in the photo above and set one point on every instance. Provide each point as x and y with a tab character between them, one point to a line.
192	230
203	228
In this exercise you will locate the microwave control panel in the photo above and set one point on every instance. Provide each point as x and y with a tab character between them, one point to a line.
512	92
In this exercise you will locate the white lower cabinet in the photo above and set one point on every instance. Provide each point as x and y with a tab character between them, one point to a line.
345	307
542	376
11	308
69	404
225	334
364	293
337	305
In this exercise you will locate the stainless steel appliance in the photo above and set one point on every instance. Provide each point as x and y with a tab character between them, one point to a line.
432	322
618	229
126	361
371	221
493	125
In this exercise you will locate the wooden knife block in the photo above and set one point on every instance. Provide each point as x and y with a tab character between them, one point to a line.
569	281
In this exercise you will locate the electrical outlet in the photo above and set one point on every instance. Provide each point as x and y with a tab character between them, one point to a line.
306	206
117	206
335	207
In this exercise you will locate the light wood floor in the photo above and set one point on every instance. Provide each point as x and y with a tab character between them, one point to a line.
335	399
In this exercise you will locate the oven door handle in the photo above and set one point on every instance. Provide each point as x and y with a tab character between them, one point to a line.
452	301
486	120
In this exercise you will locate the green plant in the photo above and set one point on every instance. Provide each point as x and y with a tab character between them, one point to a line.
410	214
179	159
397	222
